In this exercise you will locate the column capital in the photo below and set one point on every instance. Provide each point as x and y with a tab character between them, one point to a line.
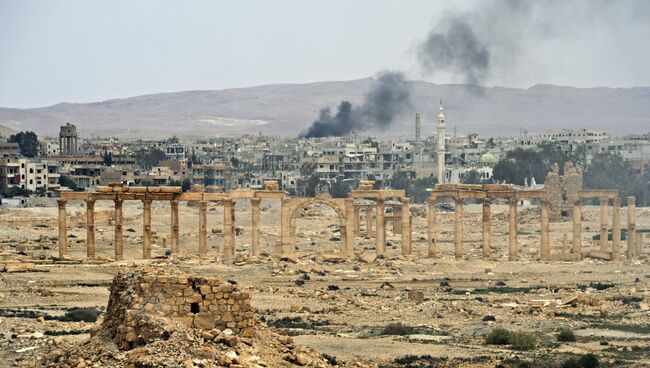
61	203
118	201
256	200
406	200
90	203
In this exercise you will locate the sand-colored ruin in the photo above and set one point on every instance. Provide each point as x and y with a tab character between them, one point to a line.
349	210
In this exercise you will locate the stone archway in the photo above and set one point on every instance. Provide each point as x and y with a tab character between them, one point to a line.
342	207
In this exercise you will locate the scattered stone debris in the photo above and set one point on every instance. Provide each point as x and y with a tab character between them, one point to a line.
164	317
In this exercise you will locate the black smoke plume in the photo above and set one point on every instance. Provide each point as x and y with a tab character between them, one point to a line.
457	49
492	40
389	96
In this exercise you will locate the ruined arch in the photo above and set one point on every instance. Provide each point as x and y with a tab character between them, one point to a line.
290	207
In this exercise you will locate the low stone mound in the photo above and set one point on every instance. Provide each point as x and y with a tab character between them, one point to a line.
167	318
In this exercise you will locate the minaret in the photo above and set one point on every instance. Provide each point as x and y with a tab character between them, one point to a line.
441	145
418	147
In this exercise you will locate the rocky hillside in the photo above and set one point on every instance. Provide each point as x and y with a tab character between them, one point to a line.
288	109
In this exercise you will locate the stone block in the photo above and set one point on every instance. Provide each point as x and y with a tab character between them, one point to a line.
204	320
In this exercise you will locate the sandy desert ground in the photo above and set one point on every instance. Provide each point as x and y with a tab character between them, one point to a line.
433	311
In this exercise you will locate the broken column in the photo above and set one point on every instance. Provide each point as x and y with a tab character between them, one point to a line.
513	251
616	230
487	229
380	241
203	228
458	233
175	235
406	226
432	228
545	249
119	238
63	229
631	227
255	226
90	228
228	232
146	228
604	202
577	228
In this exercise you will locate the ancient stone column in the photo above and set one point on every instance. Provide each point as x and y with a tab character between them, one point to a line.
174	228
631	228
380	241
397	220
406	226
458	233
228	232
90	228
285	229
255	226
146	228
577	228
545	249
616	230
203	228
513	250
63	230
432	227
369	227
119	238
487	229
604	202
352	224
357	221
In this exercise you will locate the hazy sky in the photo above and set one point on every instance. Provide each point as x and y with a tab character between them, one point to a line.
84	50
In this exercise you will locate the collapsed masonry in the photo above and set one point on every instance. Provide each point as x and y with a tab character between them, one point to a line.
199	302
164	317
563	190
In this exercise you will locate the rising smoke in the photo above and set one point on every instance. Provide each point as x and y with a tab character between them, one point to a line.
493	41
389	96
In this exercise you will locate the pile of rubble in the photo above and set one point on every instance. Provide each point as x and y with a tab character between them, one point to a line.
161	317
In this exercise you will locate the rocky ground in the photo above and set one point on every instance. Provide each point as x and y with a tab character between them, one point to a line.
389	312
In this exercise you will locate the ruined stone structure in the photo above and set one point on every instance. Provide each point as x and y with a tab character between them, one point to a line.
342	207
563	190
401	214
349	210
487	193
199	302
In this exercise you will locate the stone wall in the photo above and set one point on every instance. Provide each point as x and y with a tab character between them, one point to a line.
199	302
563	190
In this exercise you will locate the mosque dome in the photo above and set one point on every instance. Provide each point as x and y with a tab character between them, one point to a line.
488	159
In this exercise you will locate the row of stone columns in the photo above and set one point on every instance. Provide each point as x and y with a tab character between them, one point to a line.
616	249
146	229
513	248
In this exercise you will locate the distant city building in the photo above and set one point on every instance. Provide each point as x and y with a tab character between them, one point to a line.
68	140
